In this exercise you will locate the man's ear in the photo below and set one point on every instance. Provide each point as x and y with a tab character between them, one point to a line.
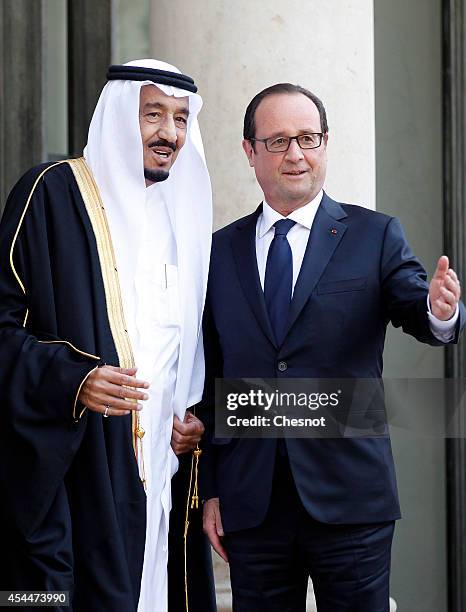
249	150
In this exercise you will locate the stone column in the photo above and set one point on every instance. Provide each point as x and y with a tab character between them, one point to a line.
235	49
89	53
21	92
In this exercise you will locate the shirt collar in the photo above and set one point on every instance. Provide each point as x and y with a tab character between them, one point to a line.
303	216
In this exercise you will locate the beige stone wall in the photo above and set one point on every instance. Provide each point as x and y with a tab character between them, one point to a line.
235	49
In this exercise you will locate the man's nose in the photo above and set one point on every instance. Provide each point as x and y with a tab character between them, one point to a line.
167	130
294	153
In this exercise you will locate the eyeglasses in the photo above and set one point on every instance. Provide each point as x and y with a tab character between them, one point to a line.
280	144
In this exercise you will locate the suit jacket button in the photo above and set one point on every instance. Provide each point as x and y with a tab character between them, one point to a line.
282	366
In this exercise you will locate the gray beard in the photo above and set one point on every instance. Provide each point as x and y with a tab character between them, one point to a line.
155	176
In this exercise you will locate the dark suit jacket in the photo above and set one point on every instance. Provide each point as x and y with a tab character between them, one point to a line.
358	274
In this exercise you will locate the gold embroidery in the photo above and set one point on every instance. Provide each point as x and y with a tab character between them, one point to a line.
23	288
197	452
84	379
96	211
185	535
78	392
26	206
71	346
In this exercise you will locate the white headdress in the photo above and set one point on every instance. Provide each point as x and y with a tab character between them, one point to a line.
114	153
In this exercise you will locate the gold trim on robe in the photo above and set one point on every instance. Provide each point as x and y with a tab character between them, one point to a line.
96	212
23	288
23	214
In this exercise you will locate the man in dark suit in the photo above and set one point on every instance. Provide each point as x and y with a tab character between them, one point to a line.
305	287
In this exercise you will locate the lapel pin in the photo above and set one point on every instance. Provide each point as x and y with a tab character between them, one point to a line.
334	231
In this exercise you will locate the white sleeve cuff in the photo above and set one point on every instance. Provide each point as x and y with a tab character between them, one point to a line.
444	331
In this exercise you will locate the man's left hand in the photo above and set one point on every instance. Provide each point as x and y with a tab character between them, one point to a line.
444	291
186	434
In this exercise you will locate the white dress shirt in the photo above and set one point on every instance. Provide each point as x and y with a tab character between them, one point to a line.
298	237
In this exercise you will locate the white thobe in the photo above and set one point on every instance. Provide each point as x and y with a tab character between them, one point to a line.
156	339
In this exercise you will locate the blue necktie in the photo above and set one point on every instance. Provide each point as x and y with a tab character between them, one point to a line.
278	281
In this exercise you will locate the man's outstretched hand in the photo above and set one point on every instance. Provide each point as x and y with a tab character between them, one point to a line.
444	291
113	391
212	525
186	434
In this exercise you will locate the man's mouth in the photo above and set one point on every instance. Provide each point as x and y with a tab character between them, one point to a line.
295	172
162	154
162	150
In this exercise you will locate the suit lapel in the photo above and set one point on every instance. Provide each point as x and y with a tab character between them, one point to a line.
244	250
325	236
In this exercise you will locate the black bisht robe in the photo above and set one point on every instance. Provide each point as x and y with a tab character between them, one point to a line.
73	508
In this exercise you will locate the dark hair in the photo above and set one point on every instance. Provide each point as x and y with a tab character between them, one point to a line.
249	129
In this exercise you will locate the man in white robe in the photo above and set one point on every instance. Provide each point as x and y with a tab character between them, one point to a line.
103	273
160	222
